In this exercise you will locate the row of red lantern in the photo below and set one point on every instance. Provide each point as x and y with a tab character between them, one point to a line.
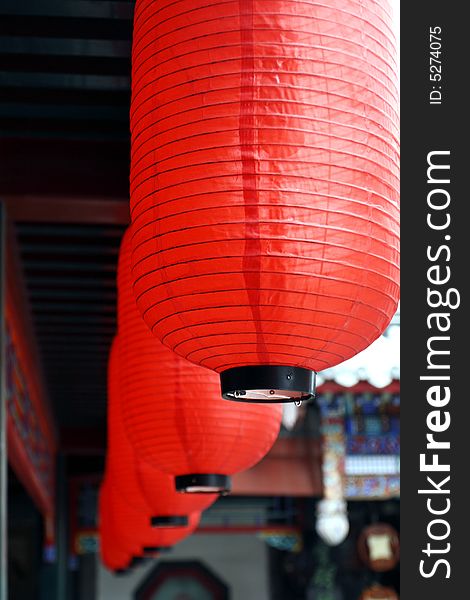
167	423
264	206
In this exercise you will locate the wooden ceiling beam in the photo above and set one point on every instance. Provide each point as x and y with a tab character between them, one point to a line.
65	209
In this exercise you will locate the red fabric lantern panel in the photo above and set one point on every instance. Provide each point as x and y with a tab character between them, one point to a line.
264	185
145	488
172	409
113	558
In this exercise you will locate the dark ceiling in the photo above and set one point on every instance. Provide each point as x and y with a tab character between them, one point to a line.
64	104
64	75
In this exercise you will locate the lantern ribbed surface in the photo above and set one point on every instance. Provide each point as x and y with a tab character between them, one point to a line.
145	488
172	409
264	178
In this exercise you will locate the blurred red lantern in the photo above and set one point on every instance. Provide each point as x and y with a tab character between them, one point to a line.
145	488
169	508
132	528
172	410
264	185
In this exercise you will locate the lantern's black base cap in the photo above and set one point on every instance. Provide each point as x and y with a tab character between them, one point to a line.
203	483
120	572
169	521
156	549
268	383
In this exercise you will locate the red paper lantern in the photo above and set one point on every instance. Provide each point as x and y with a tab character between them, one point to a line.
264	185
145	488
172	410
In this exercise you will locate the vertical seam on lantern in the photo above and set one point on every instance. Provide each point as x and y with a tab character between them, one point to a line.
248	138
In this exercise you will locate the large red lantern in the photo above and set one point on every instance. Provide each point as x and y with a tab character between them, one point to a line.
113	557
264	185
172	410
145	488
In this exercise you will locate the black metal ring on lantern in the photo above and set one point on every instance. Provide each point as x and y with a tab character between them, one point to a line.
268	384
203	483
120	572
169	521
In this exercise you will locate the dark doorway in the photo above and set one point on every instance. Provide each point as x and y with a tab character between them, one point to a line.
25	536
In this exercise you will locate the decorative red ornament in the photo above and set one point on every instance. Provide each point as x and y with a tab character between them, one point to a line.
264	185
378	592
145	488
172	410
